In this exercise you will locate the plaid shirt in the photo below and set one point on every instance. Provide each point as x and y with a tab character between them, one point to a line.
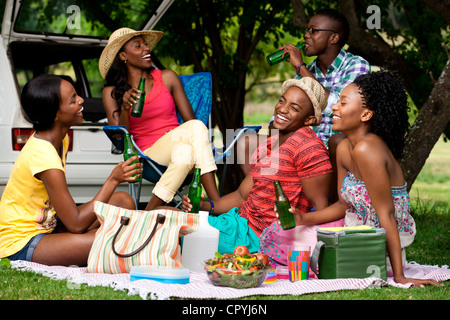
343	71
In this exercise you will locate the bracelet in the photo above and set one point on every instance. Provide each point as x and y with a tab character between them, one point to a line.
211	211
299	66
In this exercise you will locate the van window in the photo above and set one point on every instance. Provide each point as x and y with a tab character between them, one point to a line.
94	78
83	17
64	69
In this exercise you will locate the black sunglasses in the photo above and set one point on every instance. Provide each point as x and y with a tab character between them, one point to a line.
312	30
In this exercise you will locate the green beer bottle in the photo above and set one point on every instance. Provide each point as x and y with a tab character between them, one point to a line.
277	56
136	110
195	191
282	204
130	151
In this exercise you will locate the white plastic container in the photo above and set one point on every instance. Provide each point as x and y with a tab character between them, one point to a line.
200	245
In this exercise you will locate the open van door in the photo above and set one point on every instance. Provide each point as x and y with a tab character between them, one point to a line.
66	38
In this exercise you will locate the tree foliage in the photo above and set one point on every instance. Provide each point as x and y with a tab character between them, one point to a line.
222	37
225	38
230	39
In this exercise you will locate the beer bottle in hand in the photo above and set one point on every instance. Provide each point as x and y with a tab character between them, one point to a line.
277	56
195	191
136	110
130	151
282	204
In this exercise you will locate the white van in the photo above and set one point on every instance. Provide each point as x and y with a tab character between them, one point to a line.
65	38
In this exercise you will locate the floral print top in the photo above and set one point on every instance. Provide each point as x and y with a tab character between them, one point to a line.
362	212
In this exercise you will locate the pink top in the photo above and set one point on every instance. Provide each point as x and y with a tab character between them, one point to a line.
158	117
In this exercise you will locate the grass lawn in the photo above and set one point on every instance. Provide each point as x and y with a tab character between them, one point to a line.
430	247
433	181
430	208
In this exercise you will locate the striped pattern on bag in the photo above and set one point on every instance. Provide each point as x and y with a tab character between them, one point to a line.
163	249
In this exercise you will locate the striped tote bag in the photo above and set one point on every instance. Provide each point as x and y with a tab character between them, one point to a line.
129	238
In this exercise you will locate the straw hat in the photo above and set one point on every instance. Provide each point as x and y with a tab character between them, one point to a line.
116	41
313	90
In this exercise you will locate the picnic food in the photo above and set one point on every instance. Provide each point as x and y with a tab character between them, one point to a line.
263	257
237	271
241	250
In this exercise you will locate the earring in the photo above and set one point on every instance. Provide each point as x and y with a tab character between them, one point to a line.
125	61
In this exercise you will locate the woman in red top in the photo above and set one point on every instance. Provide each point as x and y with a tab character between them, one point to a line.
123	62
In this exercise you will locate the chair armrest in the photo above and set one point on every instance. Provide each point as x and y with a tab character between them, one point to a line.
220	153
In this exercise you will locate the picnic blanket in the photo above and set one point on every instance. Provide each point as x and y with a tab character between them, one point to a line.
199	286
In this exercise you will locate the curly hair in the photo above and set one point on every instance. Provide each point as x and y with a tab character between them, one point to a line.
383	93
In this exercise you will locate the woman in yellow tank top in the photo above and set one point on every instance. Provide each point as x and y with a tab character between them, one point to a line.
39	220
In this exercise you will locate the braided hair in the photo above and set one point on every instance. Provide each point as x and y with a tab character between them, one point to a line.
383	93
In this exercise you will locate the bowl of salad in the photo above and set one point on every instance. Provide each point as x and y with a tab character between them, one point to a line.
238	270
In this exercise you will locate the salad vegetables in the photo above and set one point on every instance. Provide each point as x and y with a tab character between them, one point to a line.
240	269
239	261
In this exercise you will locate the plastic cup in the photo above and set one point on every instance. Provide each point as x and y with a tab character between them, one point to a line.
271	277
298	262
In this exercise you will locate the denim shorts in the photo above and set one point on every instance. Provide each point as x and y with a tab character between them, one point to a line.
26	253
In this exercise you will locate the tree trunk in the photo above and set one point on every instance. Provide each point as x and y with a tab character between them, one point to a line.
442	8
428	127
373	49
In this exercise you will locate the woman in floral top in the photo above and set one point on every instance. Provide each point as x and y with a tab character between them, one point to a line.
372	113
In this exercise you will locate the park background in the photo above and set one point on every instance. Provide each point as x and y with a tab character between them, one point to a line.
230	39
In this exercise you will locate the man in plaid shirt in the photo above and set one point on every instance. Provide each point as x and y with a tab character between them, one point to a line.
334	68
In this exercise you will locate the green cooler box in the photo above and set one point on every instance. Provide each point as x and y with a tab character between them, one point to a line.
350	252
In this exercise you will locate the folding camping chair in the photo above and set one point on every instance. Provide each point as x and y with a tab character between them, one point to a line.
198	89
